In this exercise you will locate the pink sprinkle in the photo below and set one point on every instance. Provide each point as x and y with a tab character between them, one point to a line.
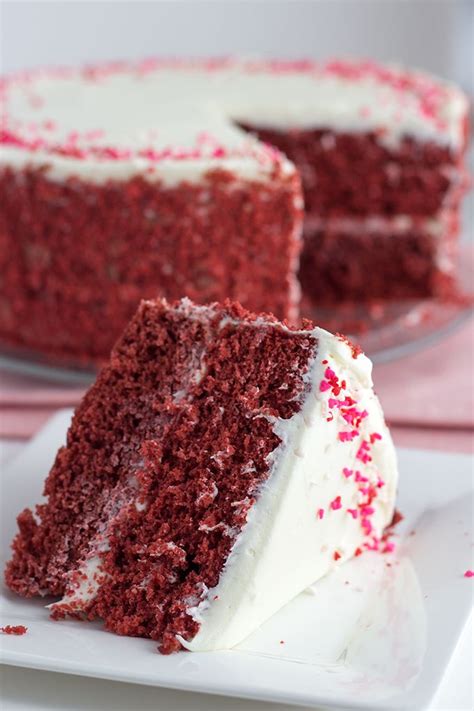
353	512
329	374
336	503
363	453
374	436
320	513
94	134
73	137
332	402
367	526
374	546
354	416
367	511
324	385
347	472
389	547
469	574
348	436
380	483
360	478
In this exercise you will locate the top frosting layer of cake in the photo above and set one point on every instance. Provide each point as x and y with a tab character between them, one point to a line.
160	115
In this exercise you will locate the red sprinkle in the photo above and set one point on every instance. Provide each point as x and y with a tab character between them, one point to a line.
367	526
336	555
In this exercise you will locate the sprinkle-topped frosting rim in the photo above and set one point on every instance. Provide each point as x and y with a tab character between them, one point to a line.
431	94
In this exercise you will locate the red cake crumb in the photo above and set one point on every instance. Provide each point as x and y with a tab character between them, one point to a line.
355	349
14	629
397	518
173	423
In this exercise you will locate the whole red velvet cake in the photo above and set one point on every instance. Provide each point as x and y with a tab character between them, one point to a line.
212	446
123	182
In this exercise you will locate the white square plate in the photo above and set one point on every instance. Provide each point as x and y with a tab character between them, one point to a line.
378	633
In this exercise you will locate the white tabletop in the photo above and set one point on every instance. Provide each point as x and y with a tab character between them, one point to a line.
36	690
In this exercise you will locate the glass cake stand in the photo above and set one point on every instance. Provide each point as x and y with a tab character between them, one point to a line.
384	332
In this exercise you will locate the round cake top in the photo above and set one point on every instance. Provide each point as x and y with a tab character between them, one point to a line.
156	112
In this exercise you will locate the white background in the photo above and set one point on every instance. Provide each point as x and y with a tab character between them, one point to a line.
437	35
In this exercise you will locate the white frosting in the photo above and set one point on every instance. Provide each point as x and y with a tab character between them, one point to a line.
285	547
192	108
435	225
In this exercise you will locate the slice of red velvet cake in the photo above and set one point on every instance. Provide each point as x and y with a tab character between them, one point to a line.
220	465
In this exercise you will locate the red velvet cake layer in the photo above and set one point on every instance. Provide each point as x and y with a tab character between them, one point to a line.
76	257
356	174
163	460
339	265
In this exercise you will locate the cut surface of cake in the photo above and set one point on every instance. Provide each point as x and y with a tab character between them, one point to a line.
221	463
129	181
